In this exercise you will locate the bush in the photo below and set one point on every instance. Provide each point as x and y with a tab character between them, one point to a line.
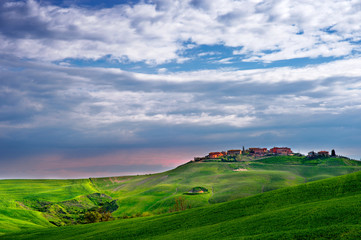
92	217
197	190
146	214
95	216
180	205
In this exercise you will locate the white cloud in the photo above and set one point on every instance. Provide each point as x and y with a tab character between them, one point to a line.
267	31
159	108
162	70
225	60
97	98
202	119
208	53
339	68
335	89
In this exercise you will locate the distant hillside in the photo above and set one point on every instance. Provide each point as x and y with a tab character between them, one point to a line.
34	204
326	209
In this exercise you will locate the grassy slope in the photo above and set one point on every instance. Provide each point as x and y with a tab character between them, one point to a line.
155	193
326	209
14	215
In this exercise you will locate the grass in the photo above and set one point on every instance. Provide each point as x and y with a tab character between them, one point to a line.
156	193
16	215
326	209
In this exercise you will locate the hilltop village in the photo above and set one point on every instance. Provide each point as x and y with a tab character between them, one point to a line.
260	152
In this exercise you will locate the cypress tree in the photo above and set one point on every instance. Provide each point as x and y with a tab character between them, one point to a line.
333	153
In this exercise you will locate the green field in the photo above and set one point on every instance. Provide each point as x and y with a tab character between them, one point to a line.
40	204
326	209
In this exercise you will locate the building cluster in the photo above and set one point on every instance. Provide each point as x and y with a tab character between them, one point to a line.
313	154
257	152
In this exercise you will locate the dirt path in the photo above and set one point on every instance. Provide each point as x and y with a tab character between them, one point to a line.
117	188
240	170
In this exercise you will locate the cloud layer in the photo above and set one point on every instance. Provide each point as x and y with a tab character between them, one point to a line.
61	116
85	107
156	31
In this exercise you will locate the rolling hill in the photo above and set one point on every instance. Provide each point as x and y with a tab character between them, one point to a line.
36	204
325	209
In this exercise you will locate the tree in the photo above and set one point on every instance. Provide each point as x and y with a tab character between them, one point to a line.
97	216
333	153
105	216
92	216
180	205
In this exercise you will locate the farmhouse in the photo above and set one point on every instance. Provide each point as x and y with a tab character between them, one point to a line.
258	151
281	150
234	152
311	154
318	154
323	154
215	154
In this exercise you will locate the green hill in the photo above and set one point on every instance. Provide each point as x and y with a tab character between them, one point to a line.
326	209
36	204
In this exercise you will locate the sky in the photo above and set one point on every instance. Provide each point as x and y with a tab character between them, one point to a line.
93	88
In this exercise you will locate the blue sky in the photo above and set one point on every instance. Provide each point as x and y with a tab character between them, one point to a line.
100	88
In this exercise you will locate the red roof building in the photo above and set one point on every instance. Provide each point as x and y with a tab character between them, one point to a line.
281	150
258	151
323	153
234	152
215	154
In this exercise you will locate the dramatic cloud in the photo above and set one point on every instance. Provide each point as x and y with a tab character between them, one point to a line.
42	95
155	31
94	90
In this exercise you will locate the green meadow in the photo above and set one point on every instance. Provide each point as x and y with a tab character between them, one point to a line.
325	209
239	202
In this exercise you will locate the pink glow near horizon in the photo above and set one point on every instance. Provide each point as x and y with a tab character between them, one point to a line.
58	166
148	160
